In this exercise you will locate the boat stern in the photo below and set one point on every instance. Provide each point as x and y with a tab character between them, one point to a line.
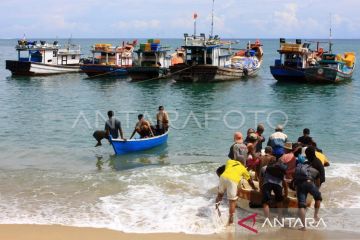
18	67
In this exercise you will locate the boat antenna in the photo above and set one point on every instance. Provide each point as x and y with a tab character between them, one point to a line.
212	19
69	40
330	35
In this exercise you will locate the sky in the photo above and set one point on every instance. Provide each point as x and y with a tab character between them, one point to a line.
173	18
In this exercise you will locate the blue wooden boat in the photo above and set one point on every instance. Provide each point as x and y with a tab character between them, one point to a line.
108	60
98	70
294	59
135	145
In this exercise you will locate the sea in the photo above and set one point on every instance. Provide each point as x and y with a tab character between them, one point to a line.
51	173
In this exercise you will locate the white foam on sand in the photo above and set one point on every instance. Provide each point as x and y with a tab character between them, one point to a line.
174	198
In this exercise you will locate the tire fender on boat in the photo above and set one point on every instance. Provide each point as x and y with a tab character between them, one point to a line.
246	71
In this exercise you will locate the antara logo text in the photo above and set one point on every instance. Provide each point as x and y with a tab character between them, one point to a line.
283	222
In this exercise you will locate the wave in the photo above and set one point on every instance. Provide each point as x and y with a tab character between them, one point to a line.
172	198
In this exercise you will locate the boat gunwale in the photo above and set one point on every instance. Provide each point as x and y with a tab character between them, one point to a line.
138	139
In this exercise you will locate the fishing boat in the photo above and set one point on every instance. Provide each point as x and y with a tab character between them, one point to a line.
332	68
249	59
294	59
135	145
108	60
44	58
152	61
249	197
212	60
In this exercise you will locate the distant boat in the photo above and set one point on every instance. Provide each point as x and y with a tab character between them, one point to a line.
294	59
135	145
152	61
44	58
332	68
212	60
108	60
249	59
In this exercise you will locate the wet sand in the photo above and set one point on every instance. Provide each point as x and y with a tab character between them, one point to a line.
56	232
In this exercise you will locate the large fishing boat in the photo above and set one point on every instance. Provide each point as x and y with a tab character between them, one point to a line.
212	60
332	68
44	58
152	61
108	60
294	59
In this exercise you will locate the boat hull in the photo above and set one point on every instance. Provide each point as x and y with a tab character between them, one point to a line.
135	145
35	69
146	73
248	196
326	75
208	73
287	74
103	70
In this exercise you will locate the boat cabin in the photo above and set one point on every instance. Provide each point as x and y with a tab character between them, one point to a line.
338	61
48	53
294	55
152	54
211	51
106	54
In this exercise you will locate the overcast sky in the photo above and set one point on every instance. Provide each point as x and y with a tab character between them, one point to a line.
172	18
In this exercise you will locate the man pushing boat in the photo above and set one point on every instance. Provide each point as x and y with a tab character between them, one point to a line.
112	127
229	181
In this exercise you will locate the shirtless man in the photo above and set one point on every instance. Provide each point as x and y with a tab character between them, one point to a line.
143	128
162	121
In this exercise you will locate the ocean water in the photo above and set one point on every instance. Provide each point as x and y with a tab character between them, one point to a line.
50	172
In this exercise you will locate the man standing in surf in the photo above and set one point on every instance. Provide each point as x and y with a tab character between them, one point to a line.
229	181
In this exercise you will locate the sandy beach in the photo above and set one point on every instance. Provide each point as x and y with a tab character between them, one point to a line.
57	232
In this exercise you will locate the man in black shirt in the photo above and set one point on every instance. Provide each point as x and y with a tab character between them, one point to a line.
306	140
315	163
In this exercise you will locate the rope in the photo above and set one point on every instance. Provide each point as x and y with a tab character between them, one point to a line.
166	76
103	74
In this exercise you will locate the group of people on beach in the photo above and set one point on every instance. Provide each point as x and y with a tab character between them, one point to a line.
280	166
142	127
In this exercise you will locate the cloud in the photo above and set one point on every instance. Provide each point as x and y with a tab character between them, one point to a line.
287	18
339	21
138	24
164	18
288	22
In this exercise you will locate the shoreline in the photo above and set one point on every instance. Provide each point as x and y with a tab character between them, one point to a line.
59	232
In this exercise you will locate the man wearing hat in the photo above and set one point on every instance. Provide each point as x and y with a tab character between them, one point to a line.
289	159
277	141
238	150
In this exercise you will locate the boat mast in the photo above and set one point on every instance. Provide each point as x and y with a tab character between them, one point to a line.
330	36
195	17
212	19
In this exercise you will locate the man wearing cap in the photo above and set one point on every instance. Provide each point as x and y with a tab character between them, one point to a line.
238	151
250	132
230	179
277	141
289	159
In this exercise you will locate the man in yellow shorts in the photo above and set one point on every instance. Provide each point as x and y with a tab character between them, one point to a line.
229	181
